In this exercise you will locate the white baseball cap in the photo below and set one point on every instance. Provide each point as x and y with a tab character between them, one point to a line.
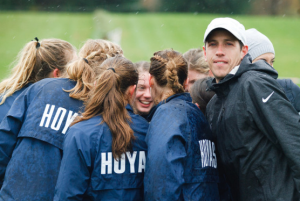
231	25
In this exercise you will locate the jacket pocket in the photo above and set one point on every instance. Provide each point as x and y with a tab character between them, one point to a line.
263	178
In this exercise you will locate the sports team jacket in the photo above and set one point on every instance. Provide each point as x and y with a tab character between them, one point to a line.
181	161
292	92
258	134
31	140
4	108
89	171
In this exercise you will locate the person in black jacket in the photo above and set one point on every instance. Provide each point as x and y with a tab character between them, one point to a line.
257	129
261	48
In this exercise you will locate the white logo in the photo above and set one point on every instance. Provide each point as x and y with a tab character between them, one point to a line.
265	100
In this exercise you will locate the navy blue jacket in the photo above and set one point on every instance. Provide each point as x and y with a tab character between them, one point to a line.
181	160
31	140
89	171
4	108
292	92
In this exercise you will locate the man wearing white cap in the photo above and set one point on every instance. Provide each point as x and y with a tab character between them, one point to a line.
257	129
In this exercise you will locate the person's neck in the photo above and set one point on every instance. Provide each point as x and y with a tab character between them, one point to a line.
166	94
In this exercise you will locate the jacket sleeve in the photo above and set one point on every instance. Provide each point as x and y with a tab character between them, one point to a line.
275	116
75	170
166	153
9	130
295	89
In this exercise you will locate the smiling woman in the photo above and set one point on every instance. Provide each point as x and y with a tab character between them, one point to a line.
142	100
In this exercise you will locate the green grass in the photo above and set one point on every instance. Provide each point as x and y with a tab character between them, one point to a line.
18	28
143	34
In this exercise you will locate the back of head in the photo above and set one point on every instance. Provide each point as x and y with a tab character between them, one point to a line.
36	61
84	71
200	95
169	69
109	98
258	43
196	61
142	66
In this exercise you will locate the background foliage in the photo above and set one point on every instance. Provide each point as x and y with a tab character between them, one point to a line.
267	7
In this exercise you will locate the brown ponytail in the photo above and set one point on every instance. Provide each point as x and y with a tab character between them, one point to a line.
35	62
108	98
169	68
87	67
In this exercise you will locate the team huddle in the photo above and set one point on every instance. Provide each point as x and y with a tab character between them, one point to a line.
211	124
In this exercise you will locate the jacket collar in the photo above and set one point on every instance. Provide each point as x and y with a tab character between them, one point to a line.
181	96
129	108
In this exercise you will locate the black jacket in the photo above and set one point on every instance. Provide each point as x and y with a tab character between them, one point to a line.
257	132
292	92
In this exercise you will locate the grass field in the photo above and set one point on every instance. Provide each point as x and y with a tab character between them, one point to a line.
143	34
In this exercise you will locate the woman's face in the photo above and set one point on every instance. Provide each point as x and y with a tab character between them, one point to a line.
143	100
193	76
268	57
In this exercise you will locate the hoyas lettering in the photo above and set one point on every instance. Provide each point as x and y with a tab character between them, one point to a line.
58	118
119	165
208	155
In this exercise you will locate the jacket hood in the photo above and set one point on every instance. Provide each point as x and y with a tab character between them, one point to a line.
245	65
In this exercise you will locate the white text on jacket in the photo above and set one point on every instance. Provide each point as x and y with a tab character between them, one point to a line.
58	118
208	155
119	165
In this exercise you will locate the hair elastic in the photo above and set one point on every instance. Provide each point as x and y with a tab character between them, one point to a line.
38	44
86	61
111	69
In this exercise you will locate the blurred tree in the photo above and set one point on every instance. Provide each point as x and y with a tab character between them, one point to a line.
206	6
276	7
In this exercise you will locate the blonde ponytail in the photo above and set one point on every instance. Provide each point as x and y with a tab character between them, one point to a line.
35	62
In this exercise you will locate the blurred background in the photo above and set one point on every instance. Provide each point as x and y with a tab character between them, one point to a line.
143	27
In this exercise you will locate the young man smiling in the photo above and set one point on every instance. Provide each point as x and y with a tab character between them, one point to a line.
257	130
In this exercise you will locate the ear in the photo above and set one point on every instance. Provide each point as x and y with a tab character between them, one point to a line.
56	73
204	51
185	83
151	80
244	51
131	90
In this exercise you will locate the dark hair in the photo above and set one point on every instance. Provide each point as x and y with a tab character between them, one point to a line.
221	29
199	93
108	99
168	67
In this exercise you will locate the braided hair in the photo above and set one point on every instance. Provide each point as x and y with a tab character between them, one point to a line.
169	69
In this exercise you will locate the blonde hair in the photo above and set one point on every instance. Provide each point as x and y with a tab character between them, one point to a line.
109	100
87	67
169	68
35	62
196	61
142	66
